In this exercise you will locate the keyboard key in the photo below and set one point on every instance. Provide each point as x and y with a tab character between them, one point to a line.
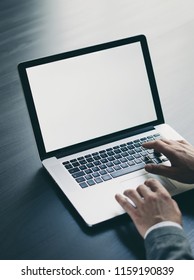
151	151
73	160
123	160
89	165
138	160
118	156
95	169
123	145
117	167
117	151
83	167
131	163
137	155
74	170
106	177
127	170
131	147
102	166
157	160
90	159
97	157
111	158
82	161
124	165
130	158
124	149
104	155
152	156
78	174
91	182
116	162
110	153
110	164
110	169
144	153
157	154
68	166
88	171
138	150
104	160
146	158
124	154
137	145
102	172
98	180
76	163
80	158
88	177
95	174
87	156
80	179
116	147
83	185
97	162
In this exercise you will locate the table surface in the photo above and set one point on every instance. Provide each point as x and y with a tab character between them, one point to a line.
36	219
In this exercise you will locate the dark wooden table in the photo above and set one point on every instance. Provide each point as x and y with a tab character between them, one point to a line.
36	220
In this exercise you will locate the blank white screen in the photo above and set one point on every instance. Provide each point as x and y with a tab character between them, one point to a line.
92	95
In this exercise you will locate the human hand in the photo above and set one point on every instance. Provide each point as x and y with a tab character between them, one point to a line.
181	157
153	205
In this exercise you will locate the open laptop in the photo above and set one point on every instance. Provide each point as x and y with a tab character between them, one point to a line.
91	109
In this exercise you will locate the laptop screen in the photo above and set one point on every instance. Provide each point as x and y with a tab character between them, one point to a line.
92	95
83	98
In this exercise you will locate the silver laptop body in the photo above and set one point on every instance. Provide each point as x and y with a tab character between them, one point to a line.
91	109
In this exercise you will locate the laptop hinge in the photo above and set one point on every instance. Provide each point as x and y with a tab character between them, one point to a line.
99	142
136	132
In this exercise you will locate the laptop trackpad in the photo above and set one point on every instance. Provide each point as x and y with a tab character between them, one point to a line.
135	182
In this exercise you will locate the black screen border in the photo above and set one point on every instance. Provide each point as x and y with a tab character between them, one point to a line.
22	69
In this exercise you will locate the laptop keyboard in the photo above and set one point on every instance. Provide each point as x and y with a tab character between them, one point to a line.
111	163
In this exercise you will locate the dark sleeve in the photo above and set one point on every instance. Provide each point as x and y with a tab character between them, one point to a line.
167	243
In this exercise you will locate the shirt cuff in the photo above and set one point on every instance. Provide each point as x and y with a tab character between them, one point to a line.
162	224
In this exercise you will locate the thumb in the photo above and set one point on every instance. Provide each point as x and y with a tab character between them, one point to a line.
162	170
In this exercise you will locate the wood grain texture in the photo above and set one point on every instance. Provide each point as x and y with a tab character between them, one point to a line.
36	220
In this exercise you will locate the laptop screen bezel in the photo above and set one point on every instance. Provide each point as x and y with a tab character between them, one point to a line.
22	68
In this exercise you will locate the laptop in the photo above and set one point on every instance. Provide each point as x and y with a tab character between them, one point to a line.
91	109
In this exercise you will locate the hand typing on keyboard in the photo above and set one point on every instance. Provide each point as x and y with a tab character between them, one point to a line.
157	206
181	156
